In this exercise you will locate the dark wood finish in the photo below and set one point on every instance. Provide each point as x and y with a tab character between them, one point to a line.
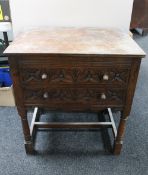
75	82
22	111
140	15
128	103
74	94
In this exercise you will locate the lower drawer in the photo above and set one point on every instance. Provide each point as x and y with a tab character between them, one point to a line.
80	97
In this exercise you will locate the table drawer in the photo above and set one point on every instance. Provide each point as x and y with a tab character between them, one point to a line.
75	75
73	70
67	96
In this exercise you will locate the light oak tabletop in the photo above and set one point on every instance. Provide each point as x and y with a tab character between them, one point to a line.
74	41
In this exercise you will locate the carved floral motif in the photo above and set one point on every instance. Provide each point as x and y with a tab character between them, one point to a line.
72	95
75	75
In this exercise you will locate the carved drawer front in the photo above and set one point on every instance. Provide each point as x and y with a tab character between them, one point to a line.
75	75
76	96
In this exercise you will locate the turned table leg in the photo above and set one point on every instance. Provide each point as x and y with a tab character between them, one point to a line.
26	131
120	134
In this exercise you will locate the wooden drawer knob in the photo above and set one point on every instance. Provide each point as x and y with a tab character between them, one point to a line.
103	96
44	76
105	77
45	95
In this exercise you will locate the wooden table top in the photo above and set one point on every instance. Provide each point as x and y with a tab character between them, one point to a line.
75	41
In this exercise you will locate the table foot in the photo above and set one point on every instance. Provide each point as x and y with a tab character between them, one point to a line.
117	148
29	148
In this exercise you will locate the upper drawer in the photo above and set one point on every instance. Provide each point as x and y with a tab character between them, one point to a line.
48	71
75	75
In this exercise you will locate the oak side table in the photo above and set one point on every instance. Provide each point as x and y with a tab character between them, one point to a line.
74	69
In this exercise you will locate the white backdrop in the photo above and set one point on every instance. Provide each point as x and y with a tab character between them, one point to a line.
82	13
